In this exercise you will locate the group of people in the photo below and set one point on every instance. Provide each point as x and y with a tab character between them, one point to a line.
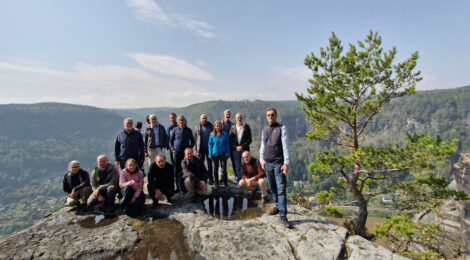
211	145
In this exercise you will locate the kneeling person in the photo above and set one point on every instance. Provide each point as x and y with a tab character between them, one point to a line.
131	182
105	183
194	175
253	175
160	180
76	184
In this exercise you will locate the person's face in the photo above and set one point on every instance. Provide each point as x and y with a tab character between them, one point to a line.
160	161
181	123
153	121
227	115
271	117
74	168
203	119
218	127
103	162
188	154
173	119
128	126
239	118
246	157
131	167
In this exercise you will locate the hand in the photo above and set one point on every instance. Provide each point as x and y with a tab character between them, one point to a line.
158	194
131	183
73	194
196	153
95	193
239	148
133	200
101	198
285	169
146	154
118	163
262	166
203	185
248	182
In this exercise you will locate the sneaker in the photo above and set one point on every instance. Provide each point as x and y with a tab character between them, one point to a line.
274	211
285	222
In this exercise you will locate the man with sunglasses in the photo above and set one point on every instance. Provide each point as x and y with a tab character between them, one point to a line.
274	158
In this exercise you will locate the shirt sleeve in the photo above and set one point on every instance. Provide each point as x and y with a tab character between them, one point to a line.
261	149
285	144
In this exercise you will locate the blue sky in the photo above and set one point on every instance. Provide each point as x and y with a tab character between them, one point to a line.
150	53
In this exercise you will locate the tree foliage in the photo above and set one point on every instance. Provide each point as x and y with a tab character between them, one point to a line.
347	92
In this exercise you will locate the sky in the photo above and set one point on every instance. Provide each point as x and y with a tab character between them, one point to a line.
162	53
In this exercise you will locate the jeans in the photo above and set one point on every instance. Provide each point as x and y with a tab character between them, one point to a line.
277	182
237	162
222	161
204	155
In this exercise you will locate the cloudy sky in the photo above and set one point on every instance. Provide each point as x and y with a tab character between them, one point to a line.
151	53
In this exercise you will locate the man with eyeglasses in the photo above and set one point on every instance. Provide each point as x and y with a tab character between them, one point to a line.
274	158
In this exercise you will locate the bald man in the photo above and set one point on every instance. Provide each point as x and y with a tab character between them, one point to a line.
105	184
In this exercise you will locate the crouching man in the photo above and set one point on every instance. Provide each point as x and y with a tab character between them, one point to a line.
253	176
105	184
194	175
160	180
76	185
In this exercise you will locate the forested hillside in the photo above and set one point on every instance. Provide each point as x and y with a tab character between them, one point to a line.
37	141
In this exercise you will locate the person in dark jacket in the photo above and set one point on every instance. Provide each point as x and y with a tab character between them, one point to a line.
240	140
219	151
193	174
105	184
169	131
160	180
76	184
181	138
201	148
156	139
129	144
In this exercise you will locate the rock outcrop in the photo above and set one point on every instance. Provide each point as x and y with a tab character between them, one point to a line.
69	234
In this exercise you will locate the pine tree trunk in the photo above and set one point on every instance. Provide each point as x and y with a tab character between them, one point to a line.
359	228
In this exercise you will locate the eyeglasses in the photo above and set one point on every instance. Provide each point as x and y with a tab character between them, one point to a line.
270	115
74	167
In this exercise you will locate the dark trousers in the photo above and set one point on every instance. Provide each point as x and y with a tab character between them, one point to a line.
204	156
167	192
128	193
109	194
179	156
222	161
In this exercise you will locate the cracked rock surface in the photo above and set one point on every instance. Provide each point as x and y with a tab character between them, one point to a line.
59	236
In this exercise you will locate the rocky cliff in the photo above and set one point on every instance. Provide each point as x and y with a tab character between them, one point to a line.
215	228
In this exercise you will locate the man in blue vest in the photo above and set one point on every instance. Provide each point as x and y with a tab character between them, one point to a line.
274	158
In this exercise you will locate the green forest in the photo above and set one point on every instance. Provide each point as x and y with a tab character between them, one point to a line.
39	140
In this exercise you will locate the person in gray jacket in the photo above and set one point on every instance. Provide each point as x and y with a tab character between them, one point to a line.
155	140
105	184
201	147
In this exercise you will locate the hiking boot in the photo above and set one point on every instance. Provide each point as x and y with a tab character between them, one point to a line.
285	222
274	211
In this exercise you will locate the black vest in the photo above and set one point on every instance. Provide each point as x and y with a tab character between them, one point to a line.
273	152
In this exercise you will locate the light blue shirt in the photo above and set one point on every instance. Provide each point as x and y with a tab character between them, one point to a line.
285	146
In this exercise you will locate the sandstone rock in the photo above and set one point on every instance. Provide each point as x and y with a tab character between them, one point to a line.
361	249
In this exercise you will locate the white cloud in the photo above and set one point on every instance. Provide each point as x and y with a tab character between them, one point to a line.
107	85
150	12
171	66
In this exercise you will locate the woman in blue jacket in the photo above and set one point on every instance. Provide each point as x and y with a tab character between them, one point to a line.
219	151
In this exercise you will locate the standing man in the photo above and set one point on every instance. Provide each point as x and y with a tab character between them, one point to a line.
169	130
129	144
181	138
240	140
105	183
156	139
226	126
193	173
201	149
274	158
